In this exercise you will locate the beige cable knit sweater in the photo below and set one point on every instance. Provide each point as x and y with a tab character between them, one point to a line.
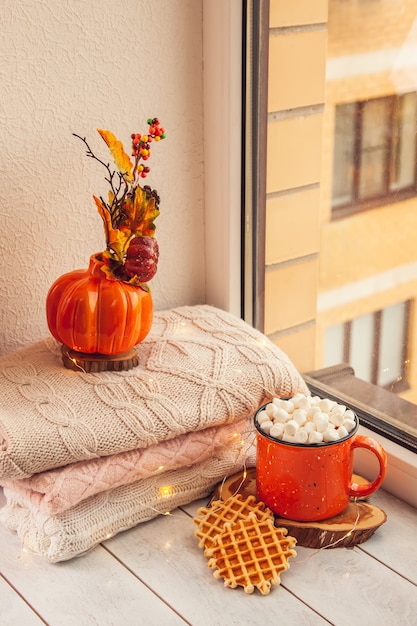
200	370
199	367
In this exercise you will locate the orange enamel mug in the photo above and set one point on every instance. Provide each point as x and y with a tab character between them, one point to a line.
312	482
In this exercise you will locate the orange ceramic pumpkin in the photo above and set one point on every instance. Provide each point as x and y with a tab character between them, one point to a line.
87	312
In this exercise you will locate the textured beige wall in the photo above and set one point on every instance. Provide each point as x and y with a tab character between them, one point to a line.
72	67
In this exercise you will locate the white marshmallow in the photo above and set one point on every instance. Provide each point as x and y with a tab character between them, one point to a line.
299	416
326	405
289	406
309	427
349	414
291	427
281	415
263	416
277	430
331	434
301	436
336	418
297	398
270	409
303	402
321	421
312	411
266	426
315	437
342	431
279	402
288	438
349	424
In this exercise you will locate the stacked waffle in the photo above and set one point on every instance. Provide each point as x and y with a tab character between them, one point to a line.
84	456
242	544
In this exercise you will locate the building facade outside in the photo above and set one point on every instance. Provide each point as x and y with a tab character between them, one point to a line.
344	274
368	204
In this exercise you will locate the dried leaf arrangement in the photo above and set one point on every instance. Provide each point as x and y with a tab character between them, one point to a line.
130	210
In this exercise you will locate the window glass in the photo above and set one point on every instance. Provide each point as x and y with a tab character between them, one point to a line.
403	155
361	346
392	334
333	347
372	157
343	159
373	344
374	151
340	149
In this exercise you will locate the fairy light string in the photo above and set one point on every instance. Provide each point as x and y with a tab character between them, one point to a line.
246	441
222	504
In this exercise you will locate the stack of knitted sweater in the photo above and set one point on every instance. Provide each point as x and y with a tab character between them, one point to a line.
86	455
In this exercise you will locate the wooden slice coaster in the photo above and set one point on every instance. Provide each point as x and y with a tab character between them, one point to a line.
356	524
93	363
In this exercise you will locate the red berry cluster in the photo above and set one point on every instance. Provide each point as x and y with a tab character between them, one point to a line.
141	144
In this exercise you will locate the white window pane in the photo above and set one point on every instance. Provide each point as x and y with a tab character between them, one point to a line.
372	175
343	160
375	123
404	143
333	345
391	343
374	146
361	346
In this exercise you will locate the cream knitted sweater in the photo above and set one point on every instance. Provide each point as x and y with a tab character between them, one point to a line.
198	367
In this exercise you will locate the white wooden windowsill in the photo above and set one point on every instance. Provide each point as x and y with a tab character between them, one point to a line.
155	574
401	478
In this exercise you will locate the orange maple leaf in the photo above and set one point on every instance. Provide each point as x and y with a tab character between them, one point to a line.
144	213
117	240
120	157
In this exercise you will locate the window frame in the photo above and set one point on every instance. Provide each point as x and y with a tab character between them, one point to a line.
223	115
223	255
388	196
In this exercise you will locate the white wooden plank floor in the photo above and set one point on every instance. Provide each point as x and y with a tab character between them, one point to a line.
156	574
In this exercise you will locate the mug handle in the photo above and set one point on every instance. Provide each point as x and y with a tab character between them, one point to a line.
360	491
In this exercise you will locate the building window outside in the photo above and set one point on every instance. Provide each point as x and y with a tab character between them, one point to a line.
374	345
374	153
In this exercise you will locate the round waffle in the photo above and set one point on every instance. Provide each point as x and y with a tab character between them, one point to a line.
251	553
212	519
